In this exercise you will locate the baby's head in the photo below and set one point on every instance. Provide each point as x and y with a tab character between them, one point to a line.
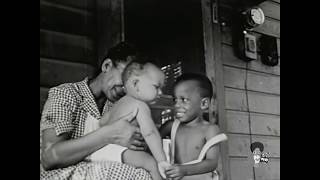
143	81
192	93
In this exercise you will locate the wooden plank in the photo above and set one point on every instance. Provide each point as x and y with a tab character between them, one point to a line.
43	96
239	145
64	19
234	77
270	9
271	144
81	4
229	58
264	124
214	70
241	169
109	25
263	82
53	72
278	46
278	1
270	27
73	48
236	99
257	65
238	122
269	171
264	103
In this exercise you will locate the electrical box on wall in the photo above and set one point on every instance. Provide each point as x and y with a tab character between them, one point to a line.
250	44
245	45
269	50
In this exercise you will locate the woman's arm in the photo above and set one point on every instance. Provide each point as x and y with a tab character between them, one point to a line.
61	151
165	129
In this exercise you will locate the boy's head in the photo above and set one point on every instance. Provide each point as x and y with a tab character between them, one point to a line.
143	81
192	93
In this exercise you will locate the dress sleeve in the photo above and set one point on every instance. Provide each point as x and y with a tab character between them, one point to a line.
58	111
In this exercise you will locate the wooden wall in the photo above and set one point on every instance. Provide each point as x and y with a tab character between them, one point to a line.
67	42
252	100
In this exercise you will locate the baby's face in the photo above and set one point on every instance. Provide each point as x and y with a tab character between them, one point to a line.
187	101
150	83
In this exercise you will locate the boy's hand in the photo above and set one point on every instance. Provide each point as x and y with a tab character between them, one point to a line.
162	167
175	172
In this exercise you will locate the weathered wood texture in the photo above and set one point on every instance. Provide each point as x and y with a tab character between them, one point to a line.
53	72
270	171
214	70
65	19
67	47
67	42
80	4
241	169
43	96
252	99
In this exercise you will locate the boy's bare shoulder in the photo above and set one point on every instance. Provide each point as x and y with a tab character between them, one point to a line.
212	130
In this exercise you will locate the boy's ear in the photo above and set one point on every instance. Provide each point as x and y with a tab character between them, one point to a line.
205	102
106	65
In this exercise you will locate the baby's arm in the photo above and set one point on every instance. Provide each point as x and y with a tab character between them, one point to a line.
150	132
209	164
152	136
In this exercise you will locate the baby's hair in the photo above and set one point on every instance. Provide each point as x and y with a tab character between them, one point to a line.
133	68
255	145
203	81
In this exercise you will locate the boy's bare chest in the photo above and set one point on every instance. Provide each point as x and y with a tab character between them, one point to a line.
189	142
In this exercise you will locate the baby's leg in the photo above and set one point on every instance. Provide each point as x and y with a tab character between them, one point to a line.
142	159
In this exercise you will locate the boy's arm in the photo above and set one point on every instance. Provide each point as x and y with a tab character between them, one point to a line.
165	129
209	164
150	132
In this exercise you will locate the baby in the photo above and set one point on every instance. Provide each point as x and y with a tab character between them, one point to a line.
142	84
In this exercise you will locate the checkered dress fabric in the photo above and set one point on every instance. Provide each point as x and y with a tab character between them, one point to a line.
66	110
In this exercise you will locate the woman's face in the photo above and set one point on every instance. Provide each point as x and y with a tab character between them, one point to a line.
112	83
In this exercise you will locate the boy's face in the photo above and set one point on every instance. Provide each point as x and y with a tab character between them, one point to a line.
187	101
150	83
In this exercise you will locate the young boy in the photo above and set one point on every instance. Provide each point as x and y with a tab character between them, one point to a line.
142	84
192	137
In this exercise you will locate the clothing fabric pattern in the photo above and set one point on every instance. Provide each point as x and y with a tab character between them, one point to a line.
66	110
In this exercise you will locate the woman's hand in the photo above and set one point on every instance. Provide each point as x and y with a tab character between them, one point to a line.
175	172
127	134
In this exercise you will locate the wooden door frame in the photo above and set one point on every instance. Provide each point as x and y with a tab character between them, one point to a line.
214	69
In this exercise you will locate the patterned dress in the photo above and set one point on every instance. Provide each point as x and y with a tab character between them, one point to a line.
66	110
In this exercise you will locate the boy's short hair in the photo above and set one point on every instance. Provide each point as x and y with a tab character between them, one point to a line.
255	145
203	81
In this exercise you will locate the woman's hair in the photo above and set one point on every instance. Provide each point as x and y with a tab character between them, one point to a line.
118	53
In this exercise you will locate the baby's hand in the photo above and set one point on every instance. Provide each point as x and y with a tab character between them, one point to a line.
163	166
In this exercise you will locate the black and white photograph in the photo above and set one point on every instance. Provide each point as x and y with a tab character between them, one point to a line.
180	89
